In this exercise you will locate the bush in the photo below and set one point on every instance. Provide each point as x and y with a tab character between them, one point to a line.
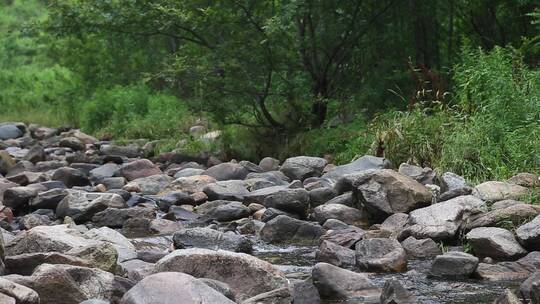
135	112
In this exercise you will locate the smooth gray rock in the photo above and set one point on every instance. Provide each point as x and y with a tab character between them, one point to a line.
211	239
451	182
228	212
422	175
233	190
334	283
247	276
284	229
454	264
380	255
336	255
363	163
81	206
302	167
494	242
385	192
289	200
529	234
227	171
394	293
9	132
442	221
351	216
494	191
421	249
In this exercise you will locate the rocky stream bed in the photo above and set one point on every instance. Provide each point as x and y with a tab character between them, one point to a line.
90	221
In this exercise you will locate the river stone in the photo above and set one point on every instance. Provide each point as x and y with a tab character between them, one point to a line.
188	172
48	199
271	213
276	177
228	212
66	284
454	264
505	204
514	214
58	238
269	164
81	206
509	271
21	294
346	237
71	177
285	229
443	220
394	293
289	200
190	185
450	181
395	222
333	224
211	239
363	163
385	192
494	242
529	234
73	143
124	247
335	254
302	167
277	296
19	197
351	216
233	190
321	195
422	175
173	288
421	249
526	286
337	284
10	132
227	171
115	218
136	270
104	171
6	162
248	276
139	168
380	255
524	179
149	185
535	293
508	297
494	191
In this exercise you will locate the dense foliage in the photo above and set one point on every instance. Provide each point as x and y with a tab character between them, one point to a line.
450	84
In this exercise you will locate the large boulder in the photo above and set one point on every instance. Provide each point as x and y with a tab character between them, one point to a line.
381	255
227	171
337	284
494	242
351	216
173	288
385	192
494	191
529	234
245	274
442	221
82	206
285	229
67	284
139	168
211	239
302	167
454	264
363	163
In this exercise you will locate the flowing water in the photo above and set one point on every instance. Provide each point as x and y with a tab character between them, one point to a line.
296	262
